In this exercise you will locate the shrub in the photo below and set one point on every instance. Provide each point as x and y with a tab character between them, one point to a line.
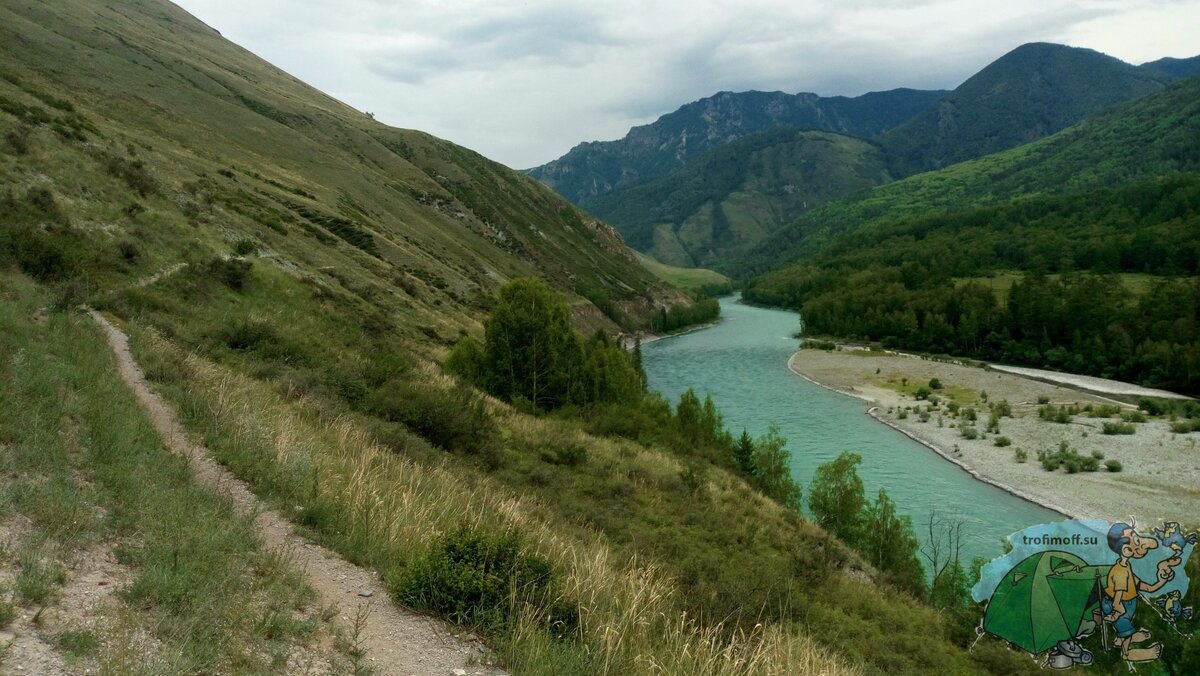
1152	406
923	392
1185	426
231	272
453	419
1043	399
129	251
262	339
133	172
244	247
935	384
1113	465
1119	428
483	579
1003	441
969	432
1021	455
1134	417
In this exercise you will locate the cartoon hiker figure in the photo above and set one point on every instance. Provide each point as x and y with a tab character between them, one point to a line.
1119	600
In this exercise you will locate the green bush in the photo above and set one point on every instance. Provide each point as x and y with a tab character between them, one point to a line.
1119	428
1003	441
484	579
133	172
244	247
1113	465
232	272
453	419
935	384
1185	426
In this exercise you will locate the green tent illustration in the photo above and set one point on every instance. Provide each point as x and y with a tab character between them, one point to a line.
1044	599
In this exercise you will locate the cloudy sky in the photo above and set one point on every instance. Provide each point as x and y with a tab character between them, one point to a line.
524	81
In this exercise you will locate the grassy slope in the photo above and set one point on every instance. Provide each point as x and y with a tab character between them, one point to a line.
362	266
684	278
1157	134
724	202
160	86
91	480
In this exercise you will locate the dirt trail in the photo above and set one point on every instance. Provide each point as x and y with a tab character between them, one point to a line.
396	641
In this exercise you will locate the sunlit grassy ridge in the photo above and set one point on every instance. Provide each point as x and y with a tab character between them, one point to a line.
218	145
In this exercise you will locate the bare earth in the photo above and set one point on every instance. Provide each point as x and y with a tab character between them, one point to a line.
1161	475
396	640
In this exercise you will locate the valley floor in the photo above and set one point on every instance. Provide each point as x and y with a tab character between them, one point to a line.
1160	469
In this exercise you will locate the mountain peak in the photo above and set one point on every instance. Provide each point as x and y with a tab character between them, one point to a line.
1032	91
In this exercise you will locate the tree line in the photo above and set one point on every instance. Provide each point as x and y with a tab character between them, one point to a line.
914	284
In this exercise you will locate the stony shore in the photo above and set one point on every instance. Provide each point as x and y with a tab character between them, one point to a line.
1160	479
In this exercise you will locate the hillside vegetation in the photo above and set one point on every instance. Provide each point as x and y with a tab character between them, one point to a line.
596	168
1153	136
219	146
1117	194
1031	92
722	203
291	275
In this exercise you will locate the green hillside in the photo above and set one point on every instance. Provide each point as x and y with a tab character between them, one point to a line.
698	279
1152	136
1118	194
1031	92
721	204
292	276
230	148
597	168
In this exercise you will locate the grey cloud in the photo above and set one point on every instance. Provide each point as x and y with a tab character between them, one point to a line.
522	81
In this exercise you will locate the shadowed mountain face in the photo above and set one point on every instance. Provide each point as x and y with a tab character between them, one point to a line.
600	167
1173	67
724	202
233	148
1031	92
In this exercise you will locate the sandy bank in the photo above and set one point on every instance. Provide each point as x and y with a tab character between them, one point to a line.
1161	475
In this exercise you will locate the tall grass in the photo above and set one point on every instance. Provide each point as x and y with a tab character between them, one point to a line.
92	476
384	510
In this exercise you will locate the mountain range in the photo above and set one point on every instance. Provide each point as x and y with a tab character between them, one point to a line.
1033	91
600	167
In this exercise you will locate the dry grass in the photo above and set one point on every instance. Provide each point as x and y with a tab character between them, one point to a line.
390	509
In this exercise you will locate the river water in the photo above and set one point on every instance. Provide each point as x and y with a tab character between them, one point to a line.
742	363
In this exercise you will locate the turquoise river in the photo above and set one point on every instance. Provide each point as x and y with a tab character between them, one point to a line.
742	363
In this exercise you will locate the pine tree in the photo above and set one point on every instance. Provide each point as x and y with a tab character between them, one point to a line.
743	453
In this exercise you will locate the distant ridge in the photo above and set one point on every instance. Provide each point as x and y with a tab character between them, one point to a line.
1031	92
600	167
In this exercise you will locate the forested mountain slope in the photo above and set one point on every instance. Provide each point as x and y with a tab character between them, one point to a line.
599	167
1031	92
1156	135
